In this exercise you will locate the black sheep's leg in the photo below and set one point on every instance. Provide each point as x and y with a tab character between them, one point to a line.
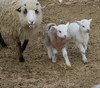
24	45
21	59
2	42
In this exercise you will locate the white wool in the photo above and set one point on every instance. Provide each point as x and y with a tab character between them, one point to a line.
79	31
18	24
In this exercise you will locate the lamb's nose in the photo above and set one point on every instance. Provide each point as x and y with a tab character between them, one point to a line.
31	22
88	30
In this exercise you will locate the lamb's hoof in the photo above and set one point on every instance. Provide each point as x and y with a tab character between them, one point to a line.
4	46
21	59
65	66
68	65
85	62
54	60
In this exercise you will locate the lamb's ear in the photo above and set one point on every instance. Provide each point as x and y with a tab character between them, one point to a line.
67	24
90	20
78	22
51	25
55	27
19	9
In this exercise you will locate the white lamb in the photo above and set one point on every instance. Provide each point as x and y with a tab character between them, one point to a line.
19	18
56	38
79	31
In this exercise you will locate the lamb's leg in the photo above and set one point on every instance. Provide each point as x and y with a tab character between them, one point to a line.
82	50
86	42
64	52
2	42
50	53
54	58
21	59
24	45
85	46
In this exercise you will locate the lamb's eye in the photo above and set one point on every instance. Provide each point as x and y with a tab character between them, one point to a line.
25	11
59	31
83	26
36	11
37	3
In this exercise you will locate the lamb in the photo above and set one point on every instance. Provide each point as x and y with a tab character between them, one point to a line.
79	31
56	38
20	18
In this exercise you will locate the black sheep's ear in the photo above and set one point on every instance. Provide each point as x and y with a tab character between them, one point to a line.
19	9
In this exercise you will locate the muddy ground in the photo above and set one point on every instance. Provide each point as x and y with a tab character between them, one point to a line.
38	71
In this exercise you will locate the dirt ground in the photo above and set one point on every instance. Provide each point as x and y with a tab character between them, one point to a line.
38	71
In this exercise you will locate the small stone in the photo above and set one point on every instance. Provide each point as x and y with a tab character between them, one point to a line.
61	1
